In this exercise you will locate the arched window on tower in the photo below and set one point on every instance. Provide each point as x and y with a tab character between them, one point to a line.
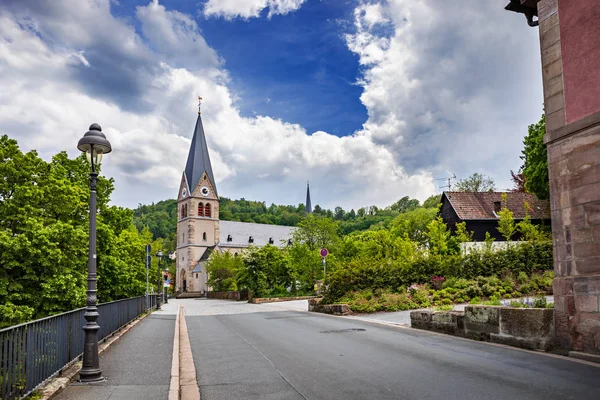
183	211
200	210
204	236
207	210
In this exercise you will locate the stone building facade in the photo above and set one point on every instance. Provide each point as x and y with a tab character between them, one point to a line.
570	52
199	230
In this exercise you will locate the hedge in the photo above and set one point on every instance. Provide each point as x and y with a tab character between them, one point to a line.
357	275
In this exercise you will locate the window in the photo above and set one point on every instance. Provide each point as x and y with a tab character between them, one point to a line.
204	236
200	210
271	241
196	276
289	242
207	210
229	238
250	239
184	211
235	254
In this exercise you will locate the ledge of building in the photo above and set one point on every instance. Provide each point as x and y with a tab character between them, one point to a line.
588	122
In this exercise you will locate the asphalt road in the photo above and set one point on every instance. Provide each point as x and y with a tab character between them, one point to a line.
298	355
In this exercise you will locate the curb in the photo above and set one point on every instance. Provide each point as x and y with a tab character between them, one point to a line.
56	385
187	371
174	386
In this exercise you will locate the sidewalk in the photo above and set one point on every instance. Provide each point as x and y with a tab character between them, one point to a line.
137	365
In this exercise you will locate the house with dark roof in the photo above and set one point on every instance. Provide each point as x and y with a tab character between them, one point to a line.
479	210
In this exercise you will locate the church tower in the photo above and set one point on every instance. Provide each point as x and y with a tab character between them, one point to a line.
198	215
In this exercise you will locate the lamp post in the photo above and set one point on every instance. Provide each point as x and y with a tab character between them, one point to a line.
159	290
94	144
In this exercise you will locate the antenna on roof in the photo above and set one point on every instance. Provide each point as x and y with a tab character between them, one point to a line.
449	179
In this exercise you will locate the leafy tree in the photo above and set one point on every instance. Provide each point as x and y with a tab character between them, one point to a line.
432	201
44	214
405	204
535	158
316	232
266	271
506	222
438	236
413	224
476	183
222	268
518	180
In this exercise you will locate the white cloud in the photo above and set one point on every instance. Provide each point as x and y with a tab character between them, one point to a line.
447	88
258	158
230	9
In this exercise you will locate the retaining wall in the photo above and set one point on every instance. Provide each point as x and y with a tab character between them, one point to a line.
529	328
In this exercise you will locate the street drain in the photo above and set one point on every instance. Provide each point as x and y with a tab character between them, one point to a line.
345	330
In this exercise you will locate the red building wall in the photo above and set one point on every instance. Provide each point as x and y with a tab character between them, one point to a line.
580	46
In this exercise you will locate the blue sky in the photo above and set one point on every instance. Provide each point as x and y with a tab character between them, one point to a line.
369	100
296	67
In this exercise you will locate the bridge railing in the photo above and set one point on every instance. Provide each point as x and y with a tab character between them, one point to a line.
35	351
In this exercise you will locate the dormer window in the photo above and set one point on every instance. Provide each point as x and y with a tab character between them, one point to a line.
497	206
250	239
271	241
229	238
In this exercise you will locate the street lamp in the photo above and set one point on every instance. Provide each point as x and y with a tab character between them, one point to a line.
94	144
158	288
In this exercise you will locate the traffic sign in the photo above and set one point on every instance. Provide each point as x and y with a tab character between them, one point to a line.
324	252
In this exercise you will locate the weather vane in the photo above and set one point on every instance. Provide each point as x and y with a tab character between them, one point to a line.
199	103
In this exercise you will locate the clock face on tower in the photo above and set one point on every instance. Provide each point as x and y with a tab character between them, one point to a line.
205	191
183	192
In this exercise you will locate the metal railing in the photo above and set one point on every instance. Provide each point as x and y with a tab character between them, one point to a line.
35	351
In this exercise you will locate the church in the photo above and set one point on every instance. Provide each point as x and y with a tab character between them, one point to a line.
199	230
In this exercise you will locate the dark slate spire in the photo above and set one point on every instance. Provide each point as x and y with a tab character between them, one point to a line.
198	160
308	205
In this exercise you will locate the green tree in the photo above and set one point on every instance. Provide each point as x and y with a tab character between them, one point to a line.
317	232
222	268
535	160
44	214
432	201
405	204
438	237
413	224
476	183
506	222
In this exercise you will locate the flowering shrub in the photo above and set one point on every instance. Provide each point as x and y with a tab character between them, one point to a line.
437	282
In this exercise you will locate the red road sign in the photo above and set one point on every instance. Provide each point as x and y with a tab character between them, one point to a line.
324	252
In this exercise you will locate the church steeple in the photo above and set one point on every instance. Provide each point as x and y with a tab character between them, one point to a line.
198	161
308	205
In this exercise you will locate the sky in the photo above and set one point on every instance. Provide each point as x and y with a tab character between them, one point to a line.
369	100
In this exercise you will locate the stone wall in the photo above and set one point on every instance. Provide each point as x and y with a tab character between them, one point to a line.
335	309
232	295
261	300
530	328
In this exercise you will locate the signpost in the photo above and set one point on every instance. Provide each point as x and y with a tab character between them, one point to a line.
324	253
